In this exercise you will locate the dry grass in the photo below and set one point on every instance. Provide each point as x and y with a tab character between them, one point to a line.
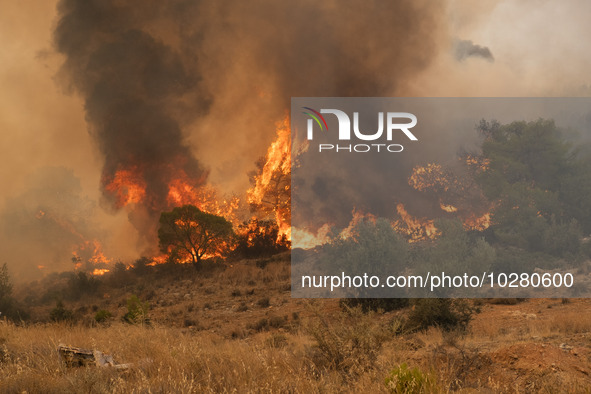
212	333
339	352
166	360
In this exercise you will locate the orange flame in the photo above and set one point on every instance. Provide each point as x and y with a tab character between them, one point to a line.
100	271
446	185
416	229
181	192
272	185
431	176
479	163
478	223
127	187
447	208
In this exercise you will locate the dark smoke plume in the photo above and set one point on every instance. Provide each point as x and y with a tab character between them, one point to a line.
466	48
162	80
130	81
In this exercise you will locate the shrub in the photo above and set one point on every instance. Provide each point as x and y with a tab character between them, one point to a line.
446	313
141	267
81	283
403	380
137	311
375	304
261	325
349	343
264	302
9	307
276	341
60	313
102	315
119	275
277	321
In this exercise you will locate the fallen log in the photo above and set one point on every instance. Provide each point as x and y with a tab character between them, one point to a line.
78	357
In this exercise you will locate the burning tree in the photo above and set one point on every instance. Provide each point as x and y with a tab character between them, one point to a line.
260	238
271	191
189	234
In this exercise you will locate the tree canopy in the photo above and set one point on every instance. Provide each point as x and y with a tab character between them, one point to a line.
539	185
189	234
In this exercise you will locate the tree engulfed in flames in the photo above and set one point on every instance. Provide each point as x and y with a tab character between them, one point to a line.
271	192
432	176
205	198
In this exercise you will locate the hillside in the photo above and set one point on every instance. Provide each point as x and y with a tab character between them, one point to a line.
234	327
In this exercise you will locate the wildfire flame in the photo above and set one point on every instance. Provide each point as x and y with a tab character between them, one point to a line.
272	186
447	208
431	176
434	178
479	163
205	198
478	223
307	240
127	187
416	229
100	271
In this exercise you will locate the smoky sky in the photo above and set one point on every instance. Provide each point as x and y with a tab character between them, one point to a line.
47	222
147	71
91	85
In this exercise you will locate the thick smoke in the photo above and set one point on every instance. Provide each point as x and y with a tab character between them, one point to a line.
164	80
130	82
466	48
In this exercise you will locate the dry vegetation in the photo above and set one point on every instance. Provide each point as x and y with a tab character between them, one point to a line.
236	329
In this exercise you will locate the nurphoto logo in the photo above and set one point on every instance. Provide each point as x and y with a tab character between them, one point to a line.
395	122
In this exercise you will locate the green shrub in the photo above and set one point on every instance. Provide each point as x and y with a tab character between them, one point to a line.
82	283
60	313
102	315
404	380
137	311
